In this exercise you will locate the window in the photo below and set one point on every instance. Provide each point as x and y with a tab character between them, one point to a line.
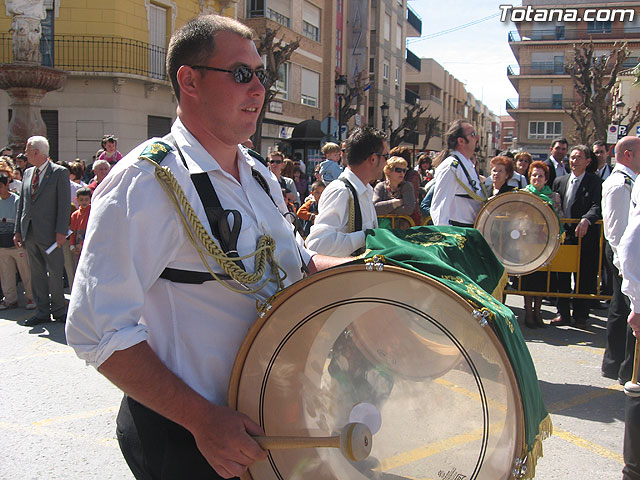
255	8
544	130
599	27
158	39
282	83
310	88
158	126
385	74
279	11
311	21
397	78
372	65
399	37
387	27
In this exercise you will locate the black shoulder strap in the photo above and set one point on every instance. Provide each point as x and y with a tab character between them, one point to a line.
356	205
216	215
257	156
472	183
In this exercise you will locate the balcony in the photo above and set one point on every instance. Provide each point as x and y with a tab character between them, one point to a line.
540	68
413	60
526	103
82	53
562	32
414	21
410	96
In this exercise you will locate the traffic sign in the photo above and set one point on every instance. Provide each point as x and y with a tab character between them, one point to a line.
637	131
329	126
622	131
612	134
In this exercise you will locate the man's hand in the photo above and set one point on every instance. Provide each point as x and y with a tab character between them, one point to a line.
224	438
60	239
582	227
17	240
634	323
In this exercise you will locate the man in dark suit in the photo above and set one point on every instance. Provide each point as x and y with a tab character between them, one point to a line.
555	162
42	220
581	194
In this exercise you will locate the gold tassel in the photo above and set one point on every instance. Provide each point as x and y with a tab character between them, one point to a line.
498	292
544	432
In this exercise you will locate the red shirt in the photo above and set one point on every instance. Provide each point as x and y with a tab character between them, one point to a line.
79	220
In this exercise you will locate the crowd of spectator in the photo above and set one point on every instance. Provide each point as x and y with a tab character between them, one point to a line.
44	207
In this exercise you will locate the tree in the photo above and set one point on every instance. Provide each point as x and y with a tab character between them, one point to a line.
277	53
594	79
354	92
431	129
408	125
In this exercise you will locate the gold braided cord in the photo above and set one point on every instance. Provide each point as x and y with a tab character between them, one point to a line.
199	237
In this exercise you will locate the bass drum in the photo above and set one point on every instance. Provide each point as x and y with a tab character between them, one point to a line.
435	383
521	229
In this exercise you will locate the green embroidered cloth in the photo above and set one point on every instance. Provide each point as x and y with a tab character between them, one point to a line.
461	259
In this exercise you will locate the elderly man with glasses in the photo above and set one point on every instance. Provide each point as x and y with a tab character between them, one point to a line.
346	207
457	193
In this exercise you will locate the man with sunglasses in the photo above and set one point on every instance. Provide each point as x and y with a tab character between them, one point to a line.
457	192
145	309
338	230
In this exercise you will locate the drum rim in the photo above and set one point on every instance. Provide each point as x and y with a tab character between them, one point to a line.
284	295
530	198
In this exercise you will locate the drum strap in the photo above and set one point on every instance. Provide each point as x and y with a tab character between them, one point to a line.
471	194
355	214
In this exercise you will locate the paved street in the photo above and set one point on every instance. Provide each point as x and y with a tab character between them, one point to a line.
58	416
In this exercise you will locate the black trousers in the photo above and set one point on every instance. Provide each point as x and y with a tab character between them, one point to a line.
618	355
156	448
631	470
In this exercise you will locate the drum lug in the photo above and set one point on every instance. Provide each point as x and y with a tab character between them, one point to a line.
264	308
376	263
481	316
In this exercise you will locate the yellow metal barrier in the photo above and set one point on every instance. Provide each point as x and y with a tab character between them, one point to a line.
567	259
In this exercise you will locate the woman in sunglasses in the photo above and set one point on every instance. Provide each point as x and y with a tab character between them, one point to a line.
394	196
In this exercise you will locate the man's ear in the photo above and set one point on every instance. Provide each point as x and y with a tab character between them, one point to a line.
188	80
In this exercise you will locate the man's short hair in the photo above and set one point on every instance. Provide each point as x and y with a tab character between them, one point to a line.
194	43
330	147
316	185
362	142
455	131
39	143
97	163
598	143
84	192
559	140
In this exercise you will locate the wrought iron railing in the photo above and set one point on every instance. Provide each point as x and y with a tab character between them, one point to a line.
86	53
539	103
561	32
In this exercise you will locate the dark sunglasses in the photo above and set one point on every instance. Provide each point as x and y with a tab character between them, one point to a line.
400	170
383	155
241	73
474	134
275	161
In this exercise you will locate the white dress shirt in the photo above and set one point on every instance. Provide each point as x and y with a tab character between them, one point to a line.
447	204
628	253
559	165
329	233
134	233
616	201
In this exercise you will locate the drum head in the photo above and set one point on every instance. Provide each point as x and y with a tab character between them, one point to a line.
521	229
403	345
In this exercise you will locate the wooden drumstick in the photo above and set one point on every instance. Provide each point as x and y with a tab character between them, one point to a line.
354	442
632	388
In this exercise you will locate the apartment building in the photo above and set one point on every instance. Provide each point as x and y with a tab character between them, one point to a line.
447	98
542	50
391	23
114	56
508	137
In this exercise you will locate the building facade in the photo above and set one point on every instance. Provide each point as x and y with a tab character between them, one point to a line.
545	89
114	56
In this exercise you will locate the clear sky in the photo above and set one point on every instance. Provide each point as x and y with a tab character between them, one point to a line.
477	55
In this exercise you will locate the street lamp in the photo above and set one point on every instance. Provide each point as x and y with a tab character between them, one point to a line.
384	109
619	112
341	91
416	130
